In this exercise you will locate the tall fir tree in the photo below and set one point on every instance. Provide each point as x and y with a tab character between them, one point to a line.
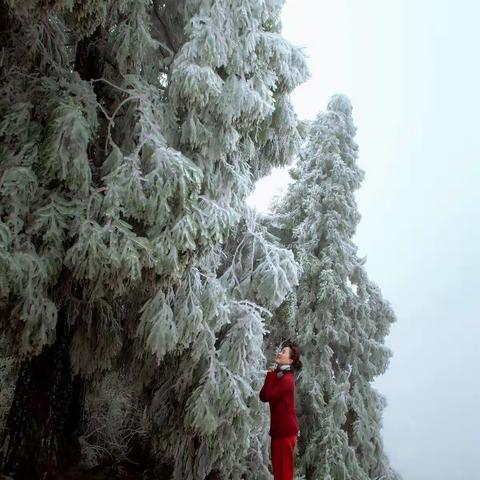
337	314
131	134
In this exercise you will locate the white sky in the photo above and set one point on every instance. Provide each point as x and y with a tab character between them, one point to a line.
412	72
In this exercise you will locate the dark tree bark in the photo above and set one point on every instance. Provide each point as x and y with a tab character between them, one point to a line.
348	425
45	413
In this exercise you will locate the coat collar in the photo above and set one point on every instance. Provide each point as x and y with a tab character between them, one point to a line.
282	369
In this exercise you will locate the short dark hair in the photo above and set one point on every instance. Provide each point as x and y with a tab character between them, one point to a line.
294	355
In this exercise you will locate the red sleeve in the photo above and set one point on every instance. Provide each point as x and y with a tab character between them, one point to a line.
274	387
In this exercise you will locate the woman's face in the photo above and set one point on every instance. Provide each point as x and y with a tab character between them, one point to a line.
283	356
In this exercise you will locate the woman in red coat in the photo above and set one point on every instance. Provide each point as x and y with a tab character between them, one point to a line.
279	391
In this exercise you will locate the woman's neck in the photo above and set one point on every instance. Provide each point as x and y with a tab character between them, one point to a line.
283	367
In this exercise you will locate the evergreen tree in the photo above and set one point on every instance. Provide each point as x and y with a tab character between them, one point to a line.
340	317
132	133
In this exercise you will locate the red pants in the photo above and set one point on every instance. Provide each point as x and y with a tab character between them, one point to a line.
282	457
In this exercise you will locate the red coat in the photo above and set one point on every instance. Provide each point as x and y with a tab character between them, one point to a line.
280	394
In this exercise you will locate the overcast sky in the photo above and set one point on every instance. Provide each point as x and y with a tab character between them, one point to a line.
411	69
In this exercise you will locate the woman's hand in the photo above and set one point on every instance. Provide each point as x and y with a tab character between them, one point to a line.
271	370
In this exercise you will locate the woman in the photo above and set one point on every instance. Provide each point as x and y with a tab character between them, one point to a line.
279	391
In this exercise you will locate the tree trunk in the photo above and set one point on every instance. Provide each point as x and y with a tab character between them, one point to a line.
310	472
45	413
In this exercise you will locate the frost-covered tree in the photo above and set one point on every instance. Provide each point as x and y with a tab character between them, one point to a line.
340	318
131	133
